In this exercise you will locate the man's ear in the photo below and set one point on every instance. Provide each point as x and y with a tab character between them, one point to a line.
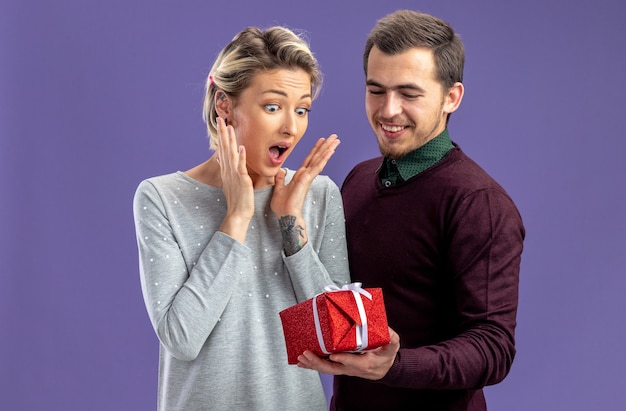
453	97
223	104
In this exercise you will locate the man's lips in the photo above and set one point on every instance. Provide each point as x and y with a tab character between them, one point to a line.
392	130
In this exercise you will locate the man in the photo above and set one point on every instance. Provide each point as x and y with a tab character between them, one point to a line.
426	224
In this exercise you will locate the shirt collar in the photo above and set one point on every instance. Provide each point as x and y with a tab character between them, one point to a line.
402	169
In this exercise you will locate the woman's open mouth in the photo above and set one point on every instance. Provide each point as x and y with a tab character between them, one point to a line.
277	153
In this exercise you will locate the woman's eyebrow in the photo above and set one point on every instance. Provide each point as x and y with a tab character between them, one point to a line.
282	93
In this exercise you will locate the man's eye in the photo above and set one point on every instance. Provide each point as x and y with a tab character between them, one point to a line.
272	108
376	92
302	111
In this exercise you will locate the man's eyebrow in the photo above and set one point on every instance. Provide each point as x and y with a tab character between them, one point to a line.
409	86
282	93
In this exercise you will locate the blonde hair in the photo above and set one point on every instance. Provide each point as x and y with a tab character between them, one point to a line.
252	51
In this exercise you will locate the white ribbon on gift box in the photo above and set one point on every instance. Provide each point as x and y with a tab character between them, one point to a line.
361	330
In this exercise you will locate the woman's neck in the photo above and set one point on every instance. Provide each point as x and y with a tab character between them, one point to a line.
209	173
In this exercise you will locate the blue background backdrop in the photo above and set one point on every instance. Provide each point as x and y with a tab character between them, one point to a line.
96	96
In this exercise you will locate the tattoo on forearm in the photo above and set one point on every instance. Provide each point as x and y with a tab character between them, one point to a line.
292	234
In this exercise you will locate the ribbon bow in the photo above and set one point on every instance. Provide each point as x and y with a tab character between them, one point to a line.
361	330
349	287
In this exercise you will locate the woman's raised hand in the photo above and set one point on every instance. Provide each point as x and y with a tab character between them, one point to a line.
289	199
236	183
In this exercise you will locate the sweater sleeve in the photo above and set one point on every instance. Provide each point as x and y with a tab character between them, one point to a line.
184	299
323	260
484	246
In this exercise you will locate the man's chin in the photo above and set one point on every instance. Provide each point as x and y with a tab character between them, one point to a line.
389	151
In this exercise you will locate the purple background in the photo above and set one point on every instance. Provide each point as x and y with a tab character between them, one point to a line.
98	95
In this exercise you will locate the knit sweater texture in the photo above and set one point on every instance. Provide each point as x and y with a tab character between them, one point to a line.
214	302
445	247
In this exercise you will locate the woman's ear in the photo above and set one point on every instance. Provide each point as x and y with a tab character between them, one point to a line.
223	104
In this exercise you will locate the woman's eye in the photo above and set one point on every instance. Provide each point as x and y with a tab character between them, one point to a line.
272	108
302	111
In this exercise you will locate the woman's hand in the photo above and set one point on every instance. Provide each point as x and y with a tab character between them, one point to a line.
236	183
288	200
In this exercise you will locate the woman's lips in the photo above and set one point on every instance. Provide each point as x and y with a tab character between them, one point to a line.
276	154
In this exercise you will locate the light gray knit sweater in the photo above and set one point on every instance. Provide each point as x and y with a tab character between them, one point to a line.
214	302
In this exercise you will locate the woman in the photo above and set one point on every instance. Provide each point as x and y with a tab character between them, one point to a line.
227	245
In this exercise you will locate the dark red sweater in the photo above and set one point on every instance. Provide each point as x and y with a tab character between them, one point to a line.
445	247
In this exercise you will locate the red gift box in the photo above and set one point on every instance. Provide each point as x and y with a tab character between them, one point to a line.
349	319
